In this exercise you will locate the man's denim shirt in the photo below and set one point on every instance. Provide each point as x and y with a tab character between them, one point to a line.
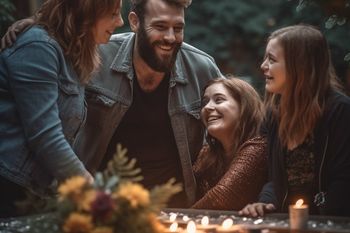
109	95
41	110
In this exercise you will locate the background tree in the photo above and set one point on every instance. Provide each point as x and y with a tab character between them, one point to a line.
234	32
6	15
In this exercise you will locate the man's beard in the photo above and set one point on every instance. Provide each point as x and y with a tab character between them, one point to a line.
148	53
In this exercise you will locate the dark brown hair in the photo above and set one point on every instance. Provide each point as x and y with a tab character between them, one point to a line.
71	22
138	6
248	124
310	76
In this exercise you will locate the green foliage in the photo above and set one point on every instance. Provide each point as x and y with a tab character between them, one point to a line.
161	194
120	167
234	32
6	18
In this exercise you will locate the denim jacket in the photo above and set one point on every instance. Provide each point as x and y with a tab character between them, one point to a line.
41	110
109	95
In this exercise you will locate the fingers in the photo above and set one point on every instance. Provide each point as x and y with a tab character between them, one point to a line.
248	210
270	207
89	178
260	209
8	39
12	35
256	209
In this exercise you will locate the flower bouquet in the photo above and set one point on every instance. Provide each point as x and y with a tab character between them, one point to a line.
114	202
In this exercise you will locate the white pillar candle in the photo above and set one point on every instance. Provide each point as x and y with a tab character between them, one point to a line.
298	215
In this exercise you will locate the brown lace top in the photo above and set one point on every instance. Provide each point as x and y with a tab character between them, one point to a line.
242	181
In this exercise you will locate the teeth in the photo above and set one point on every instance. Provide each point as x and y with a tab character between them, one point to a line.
165	47
212	118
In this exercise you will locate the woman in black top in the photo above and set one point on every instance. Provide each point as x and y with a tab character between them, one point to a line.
306	126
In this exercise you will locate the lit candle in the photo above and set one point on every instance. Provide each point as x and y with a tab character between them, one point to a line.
298	215
205	226
228	227
172	218
191	228
174	228
185	218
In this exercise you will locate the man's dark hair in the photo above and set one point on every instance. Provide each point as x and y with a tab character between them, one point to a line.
138	6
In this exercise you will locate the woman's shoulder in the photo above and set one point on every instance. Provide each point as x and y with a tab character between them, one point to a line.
258	141
34	34
338	103
256	146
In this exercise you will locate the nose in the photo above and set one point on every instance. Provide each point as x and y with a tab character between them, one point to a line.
263	65
170	36
208	107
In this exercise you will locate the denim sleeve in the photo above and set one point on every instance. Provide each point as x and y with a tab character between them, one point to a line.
267	194
33	77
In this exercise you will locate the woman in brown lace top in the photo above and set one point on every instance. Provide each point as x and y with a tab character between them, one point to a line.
231	169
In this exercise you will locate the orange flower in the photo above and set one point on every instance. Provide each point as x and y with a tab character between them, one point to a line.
134	193
102	230
78	223
72	187
87	198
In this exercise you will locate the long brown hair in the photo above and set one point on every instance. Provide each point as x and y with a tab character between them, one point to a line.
248	124
310	76
71	22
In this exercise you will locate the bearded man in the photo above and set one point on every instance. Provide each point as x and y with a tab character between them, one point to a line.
147	97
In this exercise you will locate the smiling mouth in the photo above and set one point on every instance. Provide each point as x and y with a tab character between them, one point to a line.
268	77
213	118
167	48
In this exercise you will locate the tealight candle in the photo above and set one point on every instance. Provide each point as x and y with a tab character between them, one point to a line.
192	228
173	228
298	215
205	226
228	227
172	218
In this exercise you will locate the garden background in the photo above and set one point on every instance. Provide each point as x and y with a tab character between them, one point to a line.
234	32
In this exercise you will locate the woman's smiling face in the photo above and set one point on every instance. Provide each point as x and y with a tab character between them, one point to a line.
220	112
274	67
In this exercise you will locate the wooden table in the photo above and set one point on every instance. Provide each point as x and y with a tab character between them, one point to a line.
271	223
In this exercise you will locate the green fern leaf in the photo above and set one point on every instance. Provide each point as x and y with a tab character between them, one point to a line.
160	195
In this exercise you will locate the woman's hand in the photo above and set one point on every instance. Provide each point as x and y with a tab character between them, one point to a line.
256	209
17	27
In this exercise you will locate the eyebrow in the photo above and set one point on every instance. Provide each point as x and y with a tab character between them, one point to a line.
270	55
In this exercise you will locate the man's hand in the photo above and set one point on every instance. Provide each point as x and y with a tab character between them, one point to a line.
17	27
256	209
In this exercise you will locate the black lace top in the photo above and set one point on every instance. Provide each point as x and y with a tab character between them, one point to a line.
300	167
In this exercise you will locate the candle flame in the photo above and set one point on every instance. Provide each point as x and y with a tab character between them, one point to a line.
172	217
227	223
185	218
205	221
191	227
299	203
173	227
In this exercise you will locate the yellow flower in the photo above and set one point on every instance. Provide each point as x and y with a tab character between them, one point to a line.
134	193
87	198
156	225
78	223
102	230
72	187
